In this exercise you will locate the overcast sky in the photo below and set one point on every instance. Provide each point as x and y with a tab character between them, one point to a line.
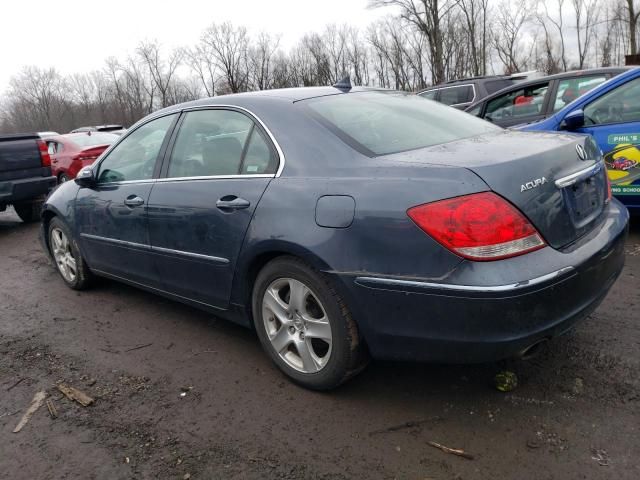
77	36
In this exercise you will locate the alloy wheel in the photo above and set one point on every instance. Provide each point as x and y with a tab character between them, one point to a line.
297	325
61	248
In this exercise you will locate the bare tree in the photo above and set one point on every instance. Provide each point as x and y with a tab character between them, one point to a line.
632	17
510	21
228	45
587	12
427	17
161	71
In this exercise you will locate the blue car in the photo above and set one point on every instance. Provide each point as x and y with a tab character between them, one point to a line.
611	114
344	223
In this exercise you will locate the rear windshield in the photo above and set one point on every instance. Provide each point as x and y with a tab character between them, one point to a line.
380	123
96	138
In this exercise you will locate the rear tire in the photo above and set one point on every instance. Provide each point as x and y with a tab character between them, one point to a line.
67	257
305	326
28	212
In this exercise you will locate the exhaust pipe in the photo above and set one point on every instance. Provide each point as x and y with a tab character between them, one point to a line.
532	350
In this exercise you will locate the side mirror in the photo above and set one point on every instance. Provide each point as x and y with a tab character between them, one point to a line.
574	120
86	178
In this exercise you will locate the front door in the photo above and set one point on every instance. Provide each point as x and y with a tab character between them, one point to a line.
614	121
112	216
220	165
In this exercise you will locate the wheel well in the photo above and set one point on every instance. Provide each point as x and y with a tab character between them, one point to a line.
47	216
252	273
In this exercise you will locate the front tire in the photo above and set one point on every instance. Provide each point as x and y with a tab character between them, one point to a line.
305	326
67	257
63	178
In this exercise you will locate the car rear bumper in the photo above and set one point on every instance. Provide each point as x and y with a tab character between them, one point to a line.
25	188
420	320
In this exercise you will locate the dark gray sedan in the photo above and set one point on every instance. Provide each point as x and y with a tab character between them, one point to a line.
347	223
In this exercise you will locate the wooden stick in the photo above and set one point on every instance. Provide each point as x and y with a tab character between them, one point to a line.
453	451
38	398
75	394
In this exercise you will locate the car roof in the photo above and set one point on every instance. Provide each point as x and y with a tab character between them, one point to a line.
558	76
288	95
465	81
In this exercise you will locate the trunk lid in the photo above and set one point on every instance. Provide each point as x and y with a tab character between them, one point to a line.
542	174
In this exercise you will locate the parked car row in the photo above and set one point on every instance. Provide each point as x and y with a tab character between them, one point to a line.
342	223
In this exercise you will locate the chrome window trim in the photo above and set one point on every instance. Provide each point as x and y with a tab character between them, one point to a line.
281	157
213	177
579	175
200	256
392	282
151	248
473	87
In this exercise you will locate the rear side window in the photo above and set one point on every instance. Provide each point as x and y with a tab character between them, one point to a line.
376	123
456	95
219	142
523	102
492	86
571	88
430	94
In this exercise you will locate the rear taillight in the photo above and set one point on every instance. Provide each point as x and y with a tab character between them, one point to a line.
482	226
45	159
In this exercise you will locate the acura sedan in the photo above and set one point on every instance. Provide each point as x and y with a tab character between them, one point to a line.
348	223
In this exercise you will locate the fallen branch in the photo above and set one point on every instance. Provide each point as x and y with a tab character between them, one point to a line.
16	384
139	347
76	395
36	403
453	451
403	426
52	408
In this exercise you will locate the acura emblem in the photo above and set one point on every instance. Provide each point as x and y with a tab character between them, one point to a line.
582	155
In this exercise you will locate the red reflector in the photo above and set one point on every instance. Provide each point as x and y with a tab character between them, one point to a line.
481	226
45	159
609	194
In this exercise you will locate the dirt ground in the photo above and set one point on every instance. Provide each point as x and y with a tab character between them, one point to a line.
180	394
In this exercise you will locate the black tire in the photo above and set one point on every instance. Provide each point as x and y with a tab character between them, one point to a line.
83	276
348	355
62	178
28	212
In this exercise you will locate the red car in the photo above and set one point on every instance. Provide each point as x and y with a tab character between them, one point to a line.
70	152
622	163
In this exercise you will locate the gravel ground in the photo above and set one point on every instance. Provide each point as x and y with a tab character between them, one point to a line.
181	394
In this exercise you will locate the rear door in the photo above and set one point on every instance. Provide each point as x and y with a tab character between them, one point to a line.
219	165
614	121
112	216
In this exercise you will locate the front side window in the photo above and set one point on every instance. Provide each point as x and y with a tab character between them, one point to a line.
620	105
456	95
377	123
134	158
523	102
220	143
572	88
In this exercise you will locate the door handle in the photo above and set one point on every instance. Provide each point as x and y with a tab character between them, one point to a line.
133	201
231	202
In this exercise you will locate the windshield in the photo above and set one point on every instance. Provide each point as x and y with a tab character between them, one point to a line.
96	138
380	123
